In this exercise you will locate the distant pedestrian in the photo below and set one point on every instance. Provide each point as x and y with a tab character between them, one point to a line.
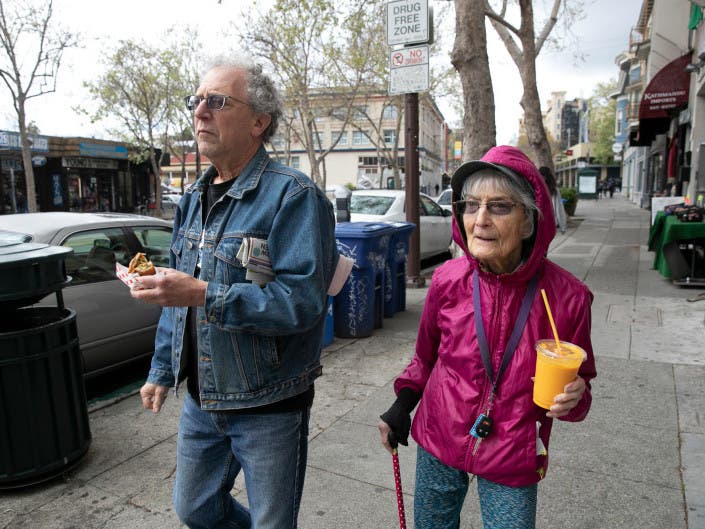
477	421
558	207
611	186
603	188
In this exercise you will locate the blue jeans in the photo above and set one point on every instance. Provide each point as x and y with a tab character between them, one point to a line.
440	492
213	447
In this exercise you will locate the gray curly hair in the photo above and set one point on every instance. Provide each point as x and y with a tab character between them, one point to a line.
262	95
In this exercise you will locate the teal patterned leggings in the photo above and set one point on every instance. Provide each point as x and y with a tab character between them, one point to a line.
440	492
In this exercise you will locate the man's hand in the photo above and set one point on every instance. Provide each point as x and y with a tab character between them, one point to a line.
153	396
170	288
566	401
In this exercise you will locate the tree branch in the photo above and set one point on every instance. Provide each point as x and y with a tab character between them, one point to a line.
499	18
548	27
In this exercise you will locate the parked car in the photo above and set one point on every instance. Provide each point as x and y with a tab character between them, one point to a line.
113	328
170	190
170	201
387	205
172	198
444	199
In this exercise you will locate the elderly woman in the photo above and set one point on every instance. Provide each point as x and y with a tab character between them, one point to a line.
475	352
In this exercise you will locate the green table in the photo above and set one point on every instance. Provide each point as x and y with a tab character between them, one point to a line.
666	232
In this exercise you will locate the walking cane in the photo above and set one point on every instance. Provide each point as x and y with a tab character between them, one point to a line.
397	479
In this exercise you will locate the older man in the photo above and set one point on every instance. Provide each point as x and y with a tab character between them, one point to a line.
249	351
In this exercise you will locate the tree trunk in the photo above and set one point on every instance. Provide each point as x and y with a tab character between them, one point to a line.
535	132
469	57
530	100
26	145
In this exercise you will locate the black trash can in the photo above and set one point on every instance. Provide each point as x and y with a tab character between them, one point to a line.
44	427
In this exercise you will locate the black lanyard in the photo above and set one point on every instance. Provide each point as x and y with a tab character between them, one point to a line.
516	332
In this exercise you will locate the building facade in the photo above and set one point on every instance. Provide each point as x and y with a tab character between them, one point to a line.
657	135
363	148
73	174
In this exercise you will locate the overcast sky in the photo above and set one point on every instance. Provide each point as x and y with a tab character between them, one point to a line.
602	35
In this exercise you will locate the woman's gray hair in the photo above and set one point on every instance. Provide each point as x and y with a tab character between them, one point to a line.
517	189
262	95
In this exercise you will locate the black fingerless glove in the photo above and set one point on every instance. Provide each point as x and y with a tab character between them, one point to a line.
398	417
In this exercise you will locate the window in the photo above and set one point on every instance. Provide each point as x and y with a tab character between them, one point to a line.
390	112
371	161
360	137
428	207
317	139
156	243
292	162
277	141
341	136
339	114
359	113
635	74
369	204
95	253
389	136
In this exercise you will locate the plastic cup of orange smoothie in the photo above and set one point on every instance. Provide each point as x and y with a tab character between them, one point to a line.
555	369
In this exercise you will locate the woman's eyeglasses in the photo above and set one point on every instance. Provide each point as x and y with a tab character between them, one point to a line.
495	207
213	101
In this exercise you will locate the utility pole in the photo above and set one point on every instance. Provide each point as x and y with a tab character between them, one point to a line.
411	168
410	24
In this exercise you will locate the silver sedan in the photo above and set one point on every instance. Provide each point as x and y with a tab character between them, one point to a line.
113	328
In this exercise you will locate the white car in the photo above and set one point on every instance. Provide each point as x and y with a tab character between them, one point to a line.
387	205
444	199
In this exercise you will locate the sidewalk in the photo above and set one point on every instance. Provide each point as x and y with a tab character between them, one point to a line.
636	462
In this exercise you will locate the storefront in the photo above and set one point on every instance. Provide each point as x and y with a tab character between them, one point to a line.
664	130
12	178
74	174
92	175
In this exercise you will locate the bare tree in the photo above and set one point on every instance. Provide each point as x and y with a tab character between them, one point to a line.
188	45
308	42
470	59
32	47
524	45
142	91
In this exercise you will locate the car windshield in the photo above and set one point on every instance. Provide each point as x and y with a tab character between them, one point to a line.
370	204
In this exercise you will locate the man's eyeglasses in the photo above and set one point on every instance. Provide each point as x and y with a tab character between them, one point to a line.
495	207
213	101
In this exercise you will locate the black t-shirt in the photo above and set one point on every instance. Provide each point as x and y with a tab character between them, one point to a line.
190	350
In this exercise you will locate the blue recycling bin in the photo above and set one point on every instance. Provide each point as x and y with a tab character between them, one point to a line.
395	270
358	308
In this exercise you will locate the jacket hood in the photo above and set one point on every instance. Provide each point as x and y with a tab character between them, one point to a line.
515	164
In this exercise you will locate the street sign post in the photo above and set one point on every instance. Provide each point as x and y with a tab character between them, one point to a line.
407	22
408	68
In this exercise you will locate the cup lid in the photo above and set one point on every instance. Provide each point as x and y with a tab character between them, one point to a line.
568	350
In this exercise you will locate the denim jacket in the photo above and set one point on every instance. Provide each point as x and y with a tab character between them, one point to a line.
256	345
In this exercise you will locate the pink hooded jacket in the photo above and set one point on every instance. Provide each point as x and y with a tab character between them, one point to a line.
447	367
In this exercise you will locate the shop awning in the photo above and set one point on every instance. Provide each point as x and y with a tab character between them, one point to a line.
667	90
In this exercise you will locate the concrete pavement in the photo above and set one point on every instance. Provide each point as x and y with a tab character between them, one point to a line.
637	461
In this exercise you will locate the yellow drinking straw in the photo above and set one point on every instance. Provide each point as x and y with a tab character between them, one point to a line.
550	318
